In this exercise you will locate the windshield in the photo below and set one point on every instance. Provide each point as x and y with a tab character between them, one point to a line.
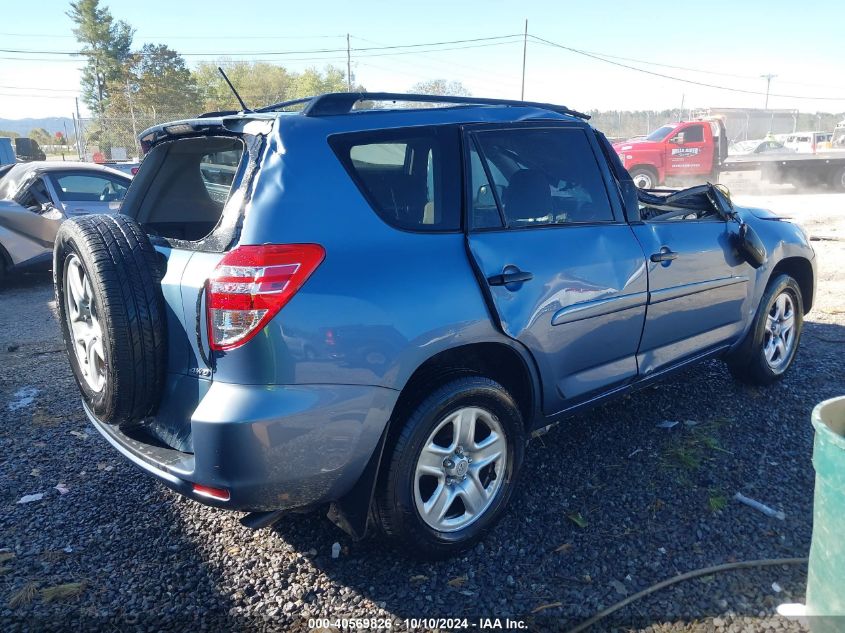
660	133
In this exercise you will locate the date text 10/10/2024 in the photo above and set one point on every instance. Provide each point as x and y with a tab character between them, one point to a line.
380	624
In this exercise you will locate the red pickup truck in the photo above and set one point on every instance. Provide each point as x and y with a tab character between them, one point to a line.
698	150
689	148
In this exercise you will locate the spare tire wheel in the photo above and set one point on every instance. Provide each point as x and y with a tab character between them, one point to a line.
106	275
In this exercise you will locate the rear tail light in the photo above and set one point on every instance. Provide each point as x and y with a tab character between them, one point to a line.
251	284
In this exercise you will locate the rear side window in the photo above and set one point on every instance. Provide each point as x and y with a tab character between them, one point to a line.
541	176
410	176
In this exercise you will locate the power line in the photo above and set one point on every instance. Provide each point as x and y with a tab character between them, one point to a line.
281	53
193	37
673	78
450	63
72	90
699	70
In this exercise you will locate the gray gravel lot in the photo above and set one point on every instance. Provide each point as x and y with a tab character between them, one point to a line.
652	502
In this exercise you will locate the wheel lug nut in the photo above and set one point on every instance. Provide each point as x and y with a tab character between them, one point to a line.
449	463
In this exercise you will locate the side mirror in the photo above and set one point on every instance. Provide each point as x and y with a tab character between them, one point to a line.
751	246
678	139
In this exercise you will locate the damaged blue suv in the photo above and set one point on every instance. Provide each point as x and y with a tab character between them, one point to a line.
364	302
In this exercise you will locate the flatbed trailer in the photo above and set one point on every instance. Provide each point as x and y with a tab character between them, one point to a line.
823	168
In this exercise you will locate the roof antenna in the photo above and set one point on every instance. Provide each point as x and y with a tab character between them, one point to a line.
235	92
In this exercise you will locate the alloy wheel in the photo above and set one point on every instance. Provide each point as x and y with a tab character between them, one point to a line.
779	338
84	325
460	469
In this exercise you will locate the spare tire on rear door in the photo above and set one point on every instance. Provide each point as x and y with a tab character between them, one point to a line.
111	310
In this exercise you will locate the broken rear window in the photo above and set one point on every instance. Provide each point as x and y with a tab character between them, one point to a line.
186	185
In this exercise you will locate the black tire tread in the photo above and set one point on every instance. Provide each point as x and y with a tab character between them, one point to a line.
125	267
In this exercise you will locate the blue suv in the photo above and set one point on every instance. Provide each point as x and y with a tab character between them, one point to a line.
365	302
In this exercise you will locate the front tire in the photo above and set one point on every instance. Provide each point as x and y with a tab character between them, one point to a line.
770	346
453	468
644	178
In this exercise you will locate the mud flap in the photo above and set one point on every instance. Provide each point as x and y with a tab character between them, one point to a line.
351	513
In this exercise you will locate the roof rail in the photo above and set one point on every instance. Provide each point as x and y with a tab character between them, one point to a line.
334	103
285	104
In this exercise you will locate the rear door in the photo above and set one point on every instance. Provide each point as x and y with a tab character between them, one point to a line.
689	151
564	272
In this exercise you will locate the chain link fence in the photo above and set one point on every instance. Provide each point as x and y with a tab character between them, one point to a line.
116	138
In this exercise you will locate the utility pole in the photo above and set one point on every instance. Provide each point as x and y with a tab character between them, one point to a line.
132	114
681	111
348	65
79	130
524	53
768	79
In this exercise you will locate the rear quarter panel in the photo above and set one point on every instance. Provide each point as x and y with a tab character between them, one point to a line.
382	301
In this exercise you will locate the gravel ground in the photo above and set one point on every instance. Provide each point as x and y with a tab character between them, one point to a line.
651	503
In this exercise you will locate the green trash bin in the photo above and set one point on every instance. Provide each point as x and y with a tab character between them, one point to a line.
826	573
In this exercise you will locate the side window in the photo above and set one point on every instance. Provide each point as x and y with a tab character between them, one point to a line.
549	176
410	177
84	188
694	134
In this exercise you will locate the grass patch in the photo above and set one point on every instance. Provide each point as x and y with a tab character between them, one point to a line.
60	592
689	450
23	596
717	502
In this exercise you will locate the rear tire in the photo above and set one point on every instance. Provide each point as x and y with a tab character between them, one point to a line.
837	179
111	312
436	465
771	344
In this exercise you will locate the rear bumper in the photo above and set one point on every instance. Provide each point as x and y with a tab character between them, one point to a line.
270	447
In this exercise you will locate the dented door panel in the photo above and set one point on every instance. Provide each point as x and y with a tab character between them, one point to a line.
582	313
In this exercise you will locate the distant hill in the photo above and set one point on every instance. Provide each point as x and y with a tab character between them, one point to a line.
52	124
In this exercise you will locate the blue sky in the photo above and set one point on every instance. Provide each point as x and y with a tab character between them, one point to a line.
800	43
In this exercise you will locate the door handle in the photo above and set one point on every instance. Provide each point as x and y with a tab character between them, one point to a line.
512	276
665	255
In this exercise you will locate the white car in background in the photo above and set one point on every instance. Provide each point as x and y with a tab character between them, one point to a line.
808	142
